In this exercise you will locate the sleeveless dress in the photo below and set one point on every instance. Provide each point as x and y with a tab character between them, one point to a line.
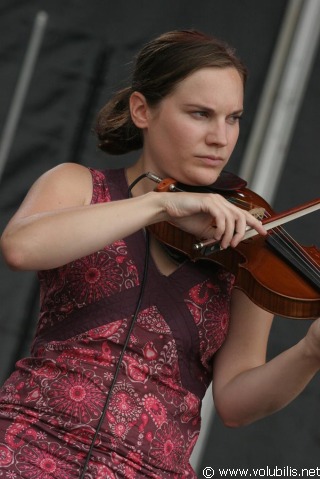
51	404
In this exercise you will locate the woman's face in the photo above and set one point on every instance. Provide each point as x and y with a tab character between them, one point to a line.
191	134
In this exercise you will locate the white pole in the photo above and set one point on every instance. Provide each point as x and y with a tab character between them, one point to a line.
22	88
291	92
270	88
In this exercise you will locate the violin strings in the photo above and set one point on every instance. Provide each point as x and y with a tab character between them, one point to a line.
282	237
296	252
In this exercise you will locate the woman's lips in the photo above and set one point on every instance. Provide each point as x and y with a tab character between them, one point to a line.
211	160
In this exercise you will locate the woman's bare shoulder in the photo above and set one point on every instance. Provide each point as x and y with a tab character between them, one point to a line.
72	173
70	182
66	185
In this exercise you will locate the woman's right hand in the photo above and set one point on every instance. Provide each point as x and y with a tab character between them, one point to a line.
210	216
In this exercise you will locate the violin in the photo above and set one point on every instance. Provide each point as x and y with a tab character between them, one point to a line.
274	271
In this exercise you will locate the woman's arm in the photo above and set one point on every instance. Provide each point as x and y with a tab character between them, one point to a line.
57	224
245	387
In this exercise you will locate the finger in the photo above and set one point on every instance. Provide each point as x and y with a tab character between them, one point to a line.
239	231
256	224
219	226
229	232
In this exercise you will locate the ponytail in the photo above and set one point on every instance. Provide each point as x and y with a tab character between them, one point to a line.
114	127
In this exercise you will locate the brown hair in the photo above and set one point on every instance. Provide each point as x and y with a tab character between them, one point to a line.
160	66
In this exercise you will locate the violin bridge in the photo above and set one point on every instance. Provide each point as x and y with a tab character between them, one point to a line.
258	213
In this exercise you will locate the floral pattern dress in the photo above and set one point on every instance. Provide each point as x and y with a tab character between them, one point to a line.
52	403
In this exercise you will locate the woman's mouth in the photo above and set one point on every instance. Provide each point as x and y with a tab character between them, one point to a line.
211	160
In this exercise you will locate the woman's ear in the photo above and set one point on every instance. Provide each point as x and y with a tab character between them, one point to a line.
139	109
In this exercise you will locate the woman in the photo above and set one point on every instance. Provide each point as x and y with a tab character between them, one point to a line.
130	335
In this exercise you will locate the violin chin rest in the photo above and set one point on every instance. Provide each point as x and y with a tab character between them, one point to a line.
226	181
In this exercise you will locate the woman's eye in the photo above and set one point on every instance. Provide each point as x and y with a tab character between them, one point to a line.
201	114
235	118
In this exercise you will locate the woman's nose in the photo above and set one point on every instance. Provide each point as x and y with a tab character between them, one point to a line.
217	134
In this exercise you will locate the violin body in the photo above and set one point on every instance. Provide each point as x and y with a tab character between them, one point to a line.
265	277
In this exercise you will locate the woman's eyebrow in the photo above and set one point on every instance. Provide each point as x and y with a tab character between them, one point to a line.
199	106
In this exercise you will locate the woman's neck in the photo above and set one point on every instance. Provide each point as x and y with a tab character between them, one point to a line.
132	173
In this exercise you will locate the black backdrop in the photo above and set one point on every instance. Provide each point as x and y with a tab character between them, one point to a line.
84	57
